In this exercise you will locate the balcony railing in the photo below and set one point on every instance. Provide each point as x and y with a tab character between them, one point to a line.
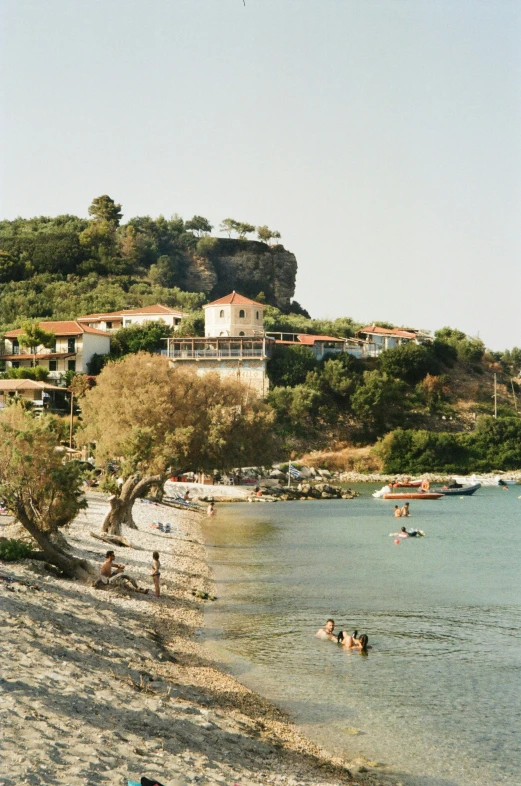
219	354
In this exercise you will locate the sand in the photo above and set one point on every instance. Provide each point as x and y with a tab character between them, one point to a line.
103	685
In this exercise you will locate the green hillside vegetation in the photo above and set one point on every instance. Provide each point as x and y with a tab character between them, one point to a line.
429	406
63	267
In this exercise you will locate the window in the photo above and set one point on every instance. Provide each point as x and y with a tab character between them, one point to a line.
109	325
221	313
15	364
241	333
241	314
53	365
53	348
16	347
257	315
71	365
71	345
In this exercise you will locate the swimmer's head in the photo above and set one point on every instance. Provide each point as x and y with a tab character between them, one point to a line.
403	529
329	626
340	637
363	639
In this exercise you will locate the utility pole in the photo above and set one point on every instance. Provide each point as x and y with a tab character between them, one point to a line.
72	419
495	395
513	393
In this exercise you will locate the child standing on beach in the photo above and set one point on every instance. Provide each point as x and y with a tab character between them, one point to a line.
156	568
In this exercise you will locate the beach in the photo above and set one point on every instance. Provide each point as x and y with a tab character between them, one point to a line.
101	685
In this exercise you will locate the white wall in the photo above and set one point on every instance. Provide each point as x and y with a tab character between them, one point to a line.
91	344
226	320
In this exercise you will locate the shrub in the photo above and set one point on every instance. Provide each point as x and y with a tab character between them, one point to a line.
410	362
13	550
404	450
289	366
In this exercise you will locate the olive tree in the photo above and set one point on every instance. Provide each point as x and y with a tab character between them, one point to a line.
34	336
155	419
42	490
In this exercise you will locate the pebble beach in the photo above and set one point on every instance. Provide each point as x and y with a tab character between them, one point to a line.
104	685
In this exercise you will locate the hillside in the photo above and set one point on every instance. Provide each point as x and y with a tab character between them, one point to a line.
66	266
423	407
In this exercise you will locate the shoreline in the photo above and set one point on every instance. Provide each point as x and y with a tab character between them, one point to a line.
104	685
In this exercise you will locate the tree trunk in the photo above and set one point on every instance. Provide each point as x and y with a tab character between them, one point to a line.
121	507
71	566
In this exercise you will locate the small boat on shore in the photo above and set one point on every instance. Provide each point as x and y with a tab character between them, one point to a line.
461	491
412	495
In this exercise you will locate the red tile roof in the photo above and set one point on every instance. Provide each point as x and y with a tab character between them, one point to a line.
306	338
375	329
236	299
100	316
39	356
67	328
26	384
157	309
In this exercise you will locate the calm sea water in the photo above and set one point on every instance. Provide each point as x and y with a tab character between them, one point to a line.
438	699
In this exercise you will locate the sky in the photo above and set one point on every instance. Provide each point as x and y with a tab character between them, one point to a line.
382	138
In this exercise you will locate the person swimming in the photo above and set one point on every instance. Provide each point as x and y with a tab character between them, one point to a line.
352	642
327	631
404	533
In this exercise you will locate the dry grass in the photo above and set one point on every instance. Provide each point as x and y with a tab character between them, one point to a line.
347	459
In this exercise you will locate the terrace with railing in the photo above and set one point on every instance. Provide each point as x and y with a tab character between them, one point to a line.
221	348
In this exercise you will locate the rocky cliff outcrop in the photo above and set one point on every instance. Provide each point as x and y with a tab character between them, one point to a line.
248	267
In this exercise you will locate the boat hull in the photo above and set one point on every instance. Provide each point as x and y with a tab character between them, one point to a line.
413	495
466	491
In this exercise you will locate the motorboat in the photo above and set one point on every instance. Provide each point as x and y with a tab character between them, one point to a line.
413	495
485	480
387	493
460	491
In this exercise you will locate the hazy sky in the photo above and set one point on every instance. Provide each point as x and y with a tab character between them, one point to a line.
382	138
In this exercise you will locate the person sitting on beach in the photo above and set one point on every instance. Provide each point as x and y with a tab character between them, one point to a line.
352	643
113	573
405	510
186	496
397	512
327	631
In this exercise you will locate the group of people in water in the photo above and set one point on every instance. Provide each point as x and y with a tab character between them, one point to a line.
401	512
343	639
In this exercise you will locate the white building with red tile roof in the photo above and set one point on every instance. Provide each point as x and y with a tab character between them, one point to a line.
73	348
234	315
388	338
113	320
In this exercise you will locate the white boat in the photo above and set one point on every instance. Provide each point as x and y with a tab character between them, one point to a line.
485	480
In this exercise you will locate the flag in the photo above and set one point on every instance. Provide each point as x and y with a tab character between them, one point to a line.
293	471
